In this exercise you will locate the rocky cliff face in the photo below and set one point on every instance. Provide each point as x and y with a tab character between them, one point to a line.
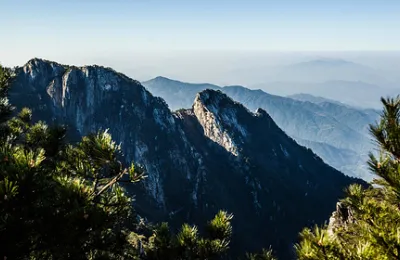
340	218
91	98
218	121
217	155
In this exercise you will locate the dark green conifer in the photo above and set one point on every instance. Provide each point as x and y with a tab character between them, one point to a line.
370	229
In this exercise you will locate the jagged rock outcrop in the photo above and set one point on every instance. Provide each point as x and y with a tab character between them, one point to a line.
219	121
342	216
217	155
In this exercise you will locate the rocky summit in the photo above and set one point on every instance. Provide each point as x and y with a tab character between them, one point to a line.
216	155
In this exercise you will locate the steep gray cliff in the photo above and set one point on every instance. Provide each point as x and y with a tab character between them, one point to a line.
92	98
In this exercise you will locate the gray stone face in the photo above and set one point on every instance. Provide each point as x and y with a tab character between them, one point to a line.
216	155
340	218
92	98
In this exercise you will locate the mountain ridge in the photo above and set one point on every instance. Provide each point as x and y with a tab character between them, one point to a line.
358	93
215	155
341	126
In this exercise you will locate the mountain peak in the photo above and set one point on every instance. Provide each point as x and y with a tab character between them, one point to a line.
217	114
261	112
37	66
328	62
217	98
37	62
210	95
180	84
325	63
161	78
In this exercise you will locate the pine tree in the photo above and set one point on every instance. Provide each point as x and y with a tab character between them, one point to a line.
264	255
58	200
188	244
370	229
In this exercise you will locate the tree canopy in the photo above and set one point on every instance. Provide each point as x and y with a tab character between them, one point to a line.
367	224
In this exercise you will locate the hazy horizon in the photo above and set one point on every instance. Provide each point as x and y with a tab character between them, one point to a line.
250	43
219	67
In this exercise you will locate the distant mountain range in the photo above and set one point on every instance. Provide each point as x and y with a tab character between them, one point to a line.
321	70
348	82
214	155
354	93
338	133
314	99
326	69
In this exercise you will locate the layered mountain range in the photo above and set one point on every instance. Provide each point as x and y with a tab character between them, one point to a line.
338	133
216	154
350	82
354	93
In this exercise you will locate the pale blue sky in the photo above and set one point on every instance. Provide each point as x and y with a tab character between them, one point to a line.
72	29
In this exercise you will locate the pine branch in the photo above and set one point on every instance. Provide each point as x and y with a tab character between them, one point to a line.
109	184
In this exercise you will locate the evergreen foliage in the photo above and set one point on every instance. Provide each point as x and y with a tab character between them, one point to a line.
371	227
264	255
58	200
64	201
188	244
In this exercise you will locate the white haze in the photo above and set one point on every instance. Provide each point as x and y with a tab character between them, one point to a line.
364	77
